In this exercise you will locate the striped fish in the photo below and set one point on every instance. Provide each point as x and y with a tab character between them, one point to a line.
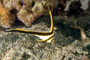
43	35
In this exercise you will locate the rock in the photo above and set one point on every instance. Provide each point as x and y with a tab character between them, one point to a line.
25	46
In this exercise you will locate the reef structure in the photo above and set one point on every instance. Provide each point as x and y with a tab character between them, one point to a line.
27	11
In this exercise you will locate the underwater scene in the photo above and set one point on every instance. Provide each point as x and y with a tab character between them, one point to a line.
44	29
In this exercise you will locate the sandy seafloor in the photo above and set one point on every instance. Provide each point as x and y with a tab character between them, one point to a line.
67	46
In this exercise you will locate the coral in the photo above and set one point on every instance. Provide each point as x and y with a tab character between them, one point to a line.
7	18
84	4
31	10
25	10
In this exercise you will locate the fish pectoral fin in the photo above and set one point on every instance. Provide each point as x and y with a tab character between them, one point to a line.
49	39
